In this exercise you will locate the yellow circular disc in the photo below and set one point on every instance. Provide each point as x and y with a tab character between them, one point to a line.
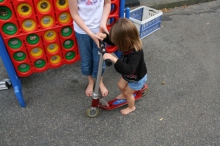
28	25
64	18
50	35
62	4
55	59
52	48
43	6
36	52
24	9
47	21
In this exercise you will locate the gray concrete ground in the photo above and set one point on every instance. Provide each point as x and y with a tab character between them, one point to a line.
159	4
185	111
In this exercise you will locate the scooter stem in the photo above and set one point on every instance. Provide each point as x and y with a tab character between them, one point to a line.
96	91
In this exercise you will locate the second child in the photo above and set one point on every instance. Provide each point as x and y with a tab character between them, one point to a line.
131	65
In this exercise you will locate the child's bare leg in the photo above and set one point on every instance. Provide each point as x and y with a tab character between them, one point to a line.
89	89
130	100
103	89
121	85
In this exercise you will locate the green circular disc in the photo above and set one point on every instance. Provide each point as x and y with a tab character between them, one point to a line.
68	44
5	13
9	28
62	2
70	55
14	43
39	63
1	1
66	31
32	39
19	56
24	68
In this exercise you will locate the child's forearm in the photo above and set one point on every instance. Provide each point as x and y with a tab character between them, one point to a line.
74	13
107	40
82	25
106	11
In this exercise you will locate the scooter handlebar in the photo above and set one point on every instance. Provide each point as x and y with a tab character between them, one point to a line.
108	62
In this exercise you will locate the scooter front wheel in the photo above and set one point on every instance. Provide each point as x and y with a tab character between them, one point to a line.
92	112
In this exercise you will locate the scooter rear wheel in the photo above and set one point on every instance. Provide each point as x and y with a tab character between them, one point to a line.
144	92
91	112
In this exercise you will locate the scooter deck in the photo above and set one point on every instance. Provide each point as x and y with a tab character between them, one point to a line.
115	103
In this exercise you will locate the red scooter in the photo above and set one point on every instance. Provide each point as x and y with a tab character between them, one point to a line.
98	101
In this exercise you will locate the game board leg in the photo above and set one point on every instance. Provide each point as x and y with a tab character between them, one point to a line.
12	74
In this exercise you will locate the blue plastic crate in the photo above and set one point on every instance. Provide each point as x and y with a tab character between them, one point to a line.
146	19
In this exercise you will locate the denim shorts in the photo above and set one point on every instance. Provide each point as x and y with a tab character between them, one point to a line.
138	85
89	55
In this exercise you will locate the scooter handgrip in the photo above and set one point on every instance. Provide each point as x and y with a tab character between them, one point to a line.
108	62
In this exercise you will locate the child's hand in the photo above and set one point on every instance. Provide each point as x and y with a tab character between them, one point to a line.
110	56
101	35
96	39
107	56
103	27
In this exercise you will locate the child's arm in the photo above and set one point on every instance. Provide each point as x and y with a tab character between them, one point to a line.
130	66
105	38
73	7
111	57
120	66
105	14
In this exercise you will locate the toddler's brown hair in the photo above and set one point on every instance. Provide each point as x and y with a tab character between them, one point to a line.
124	34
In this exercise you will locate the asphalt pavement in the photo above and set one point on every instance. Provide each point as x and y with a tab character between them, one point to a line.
160	4
184	111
